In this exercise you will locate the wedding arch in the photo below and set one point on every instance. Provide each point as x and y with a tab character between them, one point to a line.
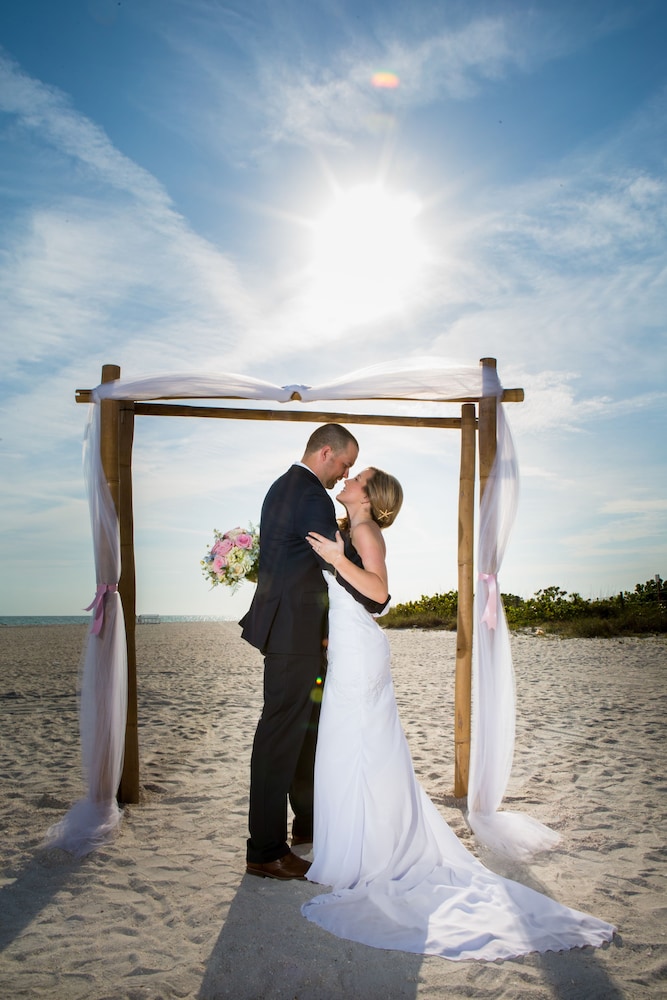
483	738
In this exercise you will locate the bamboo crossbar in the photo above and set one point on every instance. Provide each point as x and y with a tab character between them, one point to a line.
312	416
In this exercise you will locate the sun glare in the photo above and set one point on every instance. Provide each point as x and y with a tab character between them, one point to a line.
367	254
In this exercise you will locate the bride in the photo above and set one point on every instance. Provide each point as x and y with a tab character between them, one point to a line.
400	877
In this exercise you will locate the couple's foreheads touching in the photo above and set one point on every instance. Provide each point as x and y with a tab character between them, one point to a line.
330	453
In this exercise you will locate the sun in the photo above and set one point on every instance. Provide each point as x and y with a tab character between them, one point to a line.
367	254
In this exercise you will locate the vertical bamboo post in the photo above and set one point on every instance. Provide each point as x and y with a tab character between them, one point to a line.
109	459
488	419
128	790
109	434
116	433
464	615
488	430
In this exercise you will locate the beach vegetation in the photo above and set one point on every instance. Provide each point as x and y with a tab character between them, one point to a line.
551	611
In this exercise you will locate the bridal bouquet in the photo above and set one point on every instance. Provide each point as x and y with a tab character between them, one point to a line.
233	557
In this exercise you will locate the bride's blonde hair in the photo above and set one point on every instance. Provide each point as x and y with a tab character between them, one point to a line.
385	494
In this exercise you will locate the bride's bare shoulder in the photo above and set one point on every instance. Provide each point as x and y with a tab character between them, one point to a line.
367	535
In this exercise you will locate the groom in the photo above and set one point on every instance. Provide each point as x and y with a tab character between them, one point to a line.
287	621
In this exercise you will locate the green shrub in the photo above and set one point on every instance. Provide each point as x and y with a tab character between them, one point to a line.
637	612
438	611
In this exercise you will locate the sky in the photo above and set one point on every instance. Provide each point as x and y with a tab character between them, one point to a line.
296	190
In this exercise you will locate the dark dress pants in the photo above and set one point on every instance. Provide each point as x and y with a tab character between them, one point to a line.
283	755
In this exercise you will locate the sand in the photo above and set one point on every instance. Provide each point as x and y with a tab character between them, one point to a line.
166	909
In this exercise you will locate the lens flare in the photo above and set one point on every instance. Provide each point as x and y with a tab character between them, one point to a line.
386	80
317	692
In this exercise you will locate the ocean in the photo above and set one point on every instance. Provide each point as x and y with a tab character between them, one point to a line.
13	620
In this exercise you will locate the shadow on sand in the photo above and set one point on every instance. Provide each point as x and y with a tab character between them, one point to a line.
267	949
577	974
37	883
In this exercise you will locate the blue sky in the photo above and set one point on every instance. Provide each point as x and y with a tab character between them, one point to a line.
188	186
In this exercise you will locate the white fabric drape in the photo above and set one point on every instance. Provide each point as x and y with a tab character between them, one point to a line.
412	378
492	730
103	701
104	697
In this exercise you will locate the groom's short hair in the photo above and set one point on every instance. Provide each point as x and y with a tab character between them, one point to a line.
335	436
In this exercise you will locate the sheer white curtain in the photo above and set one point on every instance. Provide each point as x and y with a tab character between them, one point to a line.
94	819
103	699
492	740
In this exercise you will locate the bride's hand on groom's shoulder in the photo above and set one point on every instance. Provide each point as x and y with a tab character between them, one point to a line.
325	548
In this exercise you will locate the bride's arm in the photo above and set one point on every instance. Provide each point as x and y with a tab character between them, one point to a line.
371	579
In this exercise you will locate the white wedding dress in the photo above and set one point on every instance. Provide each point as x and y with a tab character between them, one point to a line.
401	878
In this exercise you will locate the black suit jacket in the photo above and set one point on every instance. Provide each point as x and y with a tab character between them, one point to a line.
288	613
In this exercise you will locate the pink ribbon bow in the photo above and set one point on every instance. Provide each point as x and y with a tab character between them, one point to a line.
98	605
490	615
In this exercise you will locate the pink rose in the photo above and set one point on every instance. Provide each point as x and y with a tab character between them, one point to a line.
244	540
219	563
222	547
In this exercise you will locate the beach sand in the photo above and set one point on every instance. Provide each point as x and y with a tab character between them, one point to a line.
166	909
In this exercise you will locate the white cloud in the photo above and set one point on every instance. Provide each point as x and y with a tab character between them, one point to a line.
77	262
46	110
548	477
76	269
436	54
611	538
635	506
330	106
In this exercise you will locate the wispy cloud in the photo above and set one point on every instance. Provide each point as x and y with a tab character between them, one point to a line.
305	101
438	53
78	261
48	111
311	106
635	505
640	532
573	264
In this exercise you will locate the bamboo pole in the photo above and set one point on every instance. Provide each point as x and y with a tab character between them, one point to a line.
116	431
152	409
109	434
488	418
488	442
464	614
128	790
299	416
109	459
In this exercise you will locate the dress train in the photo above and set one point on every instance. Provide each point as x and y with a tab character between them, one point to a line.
401	878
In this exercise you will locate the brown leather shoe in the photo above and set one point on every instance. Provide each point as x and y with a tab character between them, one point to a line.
290	866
